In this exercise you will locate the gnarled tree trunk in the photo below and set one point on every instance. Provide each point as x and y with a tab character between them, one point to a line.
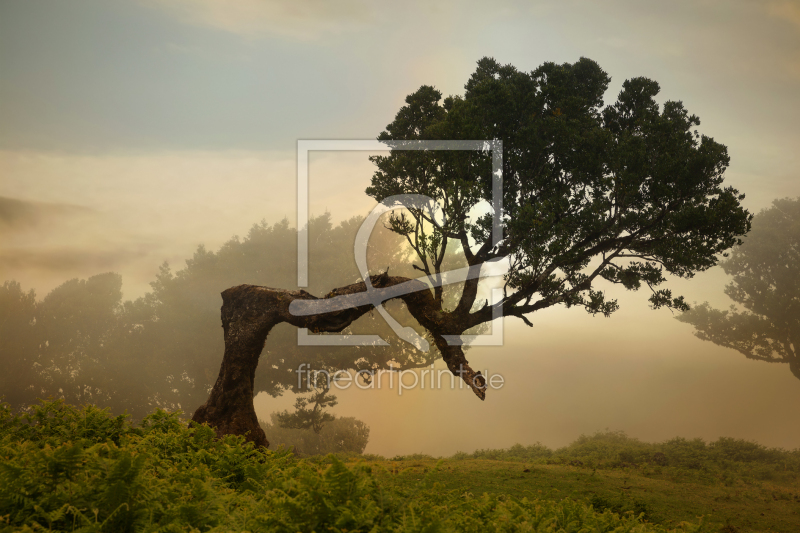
249	313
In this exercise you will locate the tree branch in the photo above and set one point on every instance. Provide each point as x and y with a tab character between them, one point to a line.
250	312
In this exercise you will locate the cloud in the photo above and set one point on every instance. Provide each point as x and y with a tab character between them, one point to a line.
65	260
18	214
143	209
306	20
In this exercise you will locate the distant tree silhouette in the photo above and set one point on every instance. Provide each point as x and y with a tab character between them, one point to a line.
61	346
19	381
75	324
82	343
766	288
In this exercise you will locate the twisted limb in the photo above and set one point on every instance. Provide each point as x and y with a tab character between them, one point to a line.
249	313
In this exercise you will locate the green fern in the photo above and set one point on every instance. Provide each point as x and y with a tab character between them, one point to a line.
78	469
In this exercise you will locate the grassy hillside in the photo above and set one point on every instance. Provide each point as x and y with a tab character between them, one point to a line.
745	488
64	468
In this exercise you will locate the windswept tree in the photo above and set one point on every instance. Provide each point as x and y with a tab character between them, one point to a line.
628	193
764	322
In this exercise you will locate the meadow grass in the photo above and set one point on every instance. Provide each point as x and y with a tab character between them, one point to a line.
66	468
735	485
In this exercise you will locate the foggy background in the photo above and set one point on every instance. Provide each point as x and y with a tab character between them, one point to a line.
132	132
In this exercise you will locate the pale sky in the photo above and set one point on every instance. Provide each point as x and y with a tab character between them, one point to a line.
137	130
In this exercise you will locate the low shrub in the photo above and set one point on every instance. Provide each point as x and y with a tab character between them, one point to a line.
517	452
615	449
342	435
